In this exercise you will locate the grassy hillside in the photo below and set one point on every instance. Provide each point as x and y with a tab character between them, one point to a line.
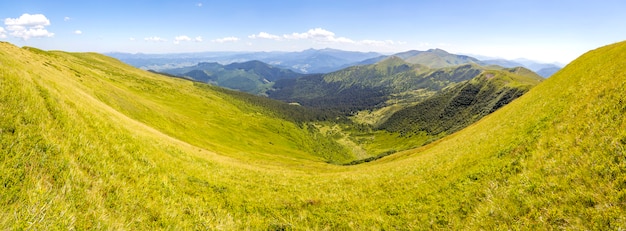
381	132
195	112
554	158
463	104
86	145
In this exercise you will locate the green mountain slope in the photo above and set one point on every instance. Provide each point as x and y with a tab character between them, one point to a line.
254	77
82	148
371	86
403	126
463	104
437	58
554	158
197	113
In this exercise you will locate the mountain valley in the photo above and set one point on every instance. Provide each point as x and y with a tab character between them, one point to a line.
421	140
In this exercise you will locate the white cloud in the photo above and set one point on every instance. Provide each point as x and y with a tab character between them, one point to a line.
131	39
28	20
67	19
265	35
199	4
226	39
185	38
379	43
178	39
2	33
319	35
78	32
28	26
322	36
155	39
341	40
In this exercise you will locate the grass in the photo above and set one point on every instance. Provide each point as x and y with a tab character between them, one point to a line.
89	143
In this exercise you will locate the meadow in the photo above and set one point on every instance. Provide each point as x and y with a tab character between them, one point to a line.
87	142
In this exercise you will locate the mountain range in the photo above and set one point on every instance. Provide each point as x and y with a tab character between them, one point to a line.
253	77
543	69
306	61
319	60
392	80
260	78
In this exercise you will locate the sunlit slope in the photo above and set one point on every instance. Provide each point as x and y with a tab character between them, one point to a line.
74	152
73	156
195	113
556	157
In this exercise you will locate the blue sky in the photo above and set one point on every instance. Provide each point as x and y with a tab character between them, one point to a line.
548	31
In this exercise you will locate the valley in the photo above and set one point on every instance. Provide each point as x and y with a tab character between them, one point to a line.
429	140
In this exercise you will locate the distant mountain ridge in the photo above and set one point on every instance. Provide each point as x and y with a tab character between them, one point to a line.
437	58
254	77
370	86
434	58
306	61
403	77
321	60
543	69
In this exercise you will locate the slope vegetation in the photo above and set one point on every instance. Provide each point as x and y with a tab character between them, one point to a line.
85	145
554	158
253	77
462	104
393	128
365	87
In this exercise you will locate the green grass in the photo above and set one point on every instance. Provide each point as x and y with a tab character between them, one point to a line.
89	143
200	115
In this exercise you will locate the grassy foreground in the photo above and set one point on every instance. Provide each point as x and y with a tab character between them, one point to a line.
89	143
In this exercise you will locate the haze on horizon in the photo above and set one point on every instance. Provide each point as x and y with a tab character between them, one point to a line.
546	31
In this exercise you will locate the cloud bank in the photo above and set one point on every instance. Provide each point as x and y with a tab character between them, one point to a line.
225	40
265	35
178	39
319	35
185	38
28	26
155	39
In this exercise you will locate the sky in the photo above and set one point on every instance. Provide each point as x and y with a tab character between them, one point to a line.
547	30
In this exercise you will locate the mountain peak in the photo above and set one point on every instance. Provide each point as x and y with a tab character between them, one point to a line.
437	58
437	50
392	61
